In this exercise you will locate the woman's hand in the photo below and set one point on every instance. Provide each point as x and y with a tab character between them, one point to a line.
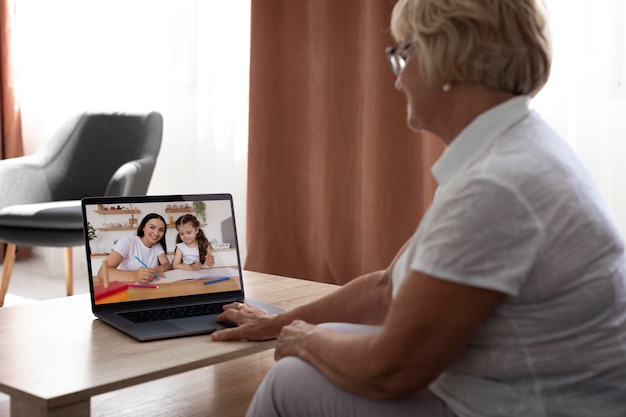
252	323
145	275
160	271
291	337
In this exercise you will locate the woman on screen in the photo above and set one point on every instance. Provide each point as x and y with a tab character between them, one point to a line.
141	258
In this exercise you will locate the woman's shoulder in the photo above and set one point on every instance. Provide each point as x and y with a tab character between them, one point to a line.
158	248
126	244
128	240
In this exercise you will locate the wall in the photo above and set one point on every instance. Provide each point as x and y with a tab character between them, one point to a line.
188	59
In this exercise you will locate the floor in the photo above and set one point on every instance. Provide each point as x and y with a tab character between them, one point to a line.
42	276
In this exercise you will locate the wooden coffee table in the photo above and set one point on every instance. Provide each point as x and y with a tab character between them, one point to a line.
55	356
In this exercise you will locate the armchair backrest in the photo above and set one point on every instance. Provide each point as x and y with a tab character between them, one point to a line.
95	154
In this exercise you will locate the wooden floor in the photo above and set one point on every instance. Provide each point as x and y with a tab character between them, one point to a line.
42	276
203	392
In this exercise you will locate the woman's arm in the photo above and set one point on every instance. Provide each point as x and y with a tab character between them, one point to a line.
363	300
113	260
428	325
164	264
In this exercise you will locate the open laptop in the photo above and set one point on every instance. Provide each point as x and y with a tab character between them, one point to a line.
176	303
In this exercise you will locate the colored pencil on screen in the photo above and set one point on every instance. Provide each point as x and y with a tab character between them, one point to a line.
146	266
213	281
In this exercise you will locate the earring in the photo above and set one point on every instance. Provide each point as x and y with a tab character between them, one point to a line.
446	87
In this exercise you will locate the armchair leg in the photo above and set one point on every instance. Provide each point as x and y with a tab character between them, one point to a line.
9	260
69	272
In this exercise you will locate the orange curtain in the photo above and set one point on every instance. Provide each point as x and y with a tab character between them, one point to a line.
336	181
10	120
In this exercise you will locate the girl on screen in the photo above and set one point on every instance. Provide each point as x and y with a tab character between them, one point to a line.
192	246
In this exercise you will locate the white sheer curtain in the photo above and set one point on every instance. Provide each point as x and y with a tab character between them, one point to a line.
585	99
188	59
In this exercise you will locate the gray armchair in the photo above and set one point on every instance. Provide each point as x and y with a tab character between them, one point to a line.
90	155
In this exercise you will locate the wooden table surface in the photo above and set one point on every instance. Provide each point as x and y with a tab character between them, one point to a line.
55	355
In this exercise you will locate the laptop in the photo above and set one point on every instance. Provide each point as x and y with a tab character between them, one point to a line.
176	303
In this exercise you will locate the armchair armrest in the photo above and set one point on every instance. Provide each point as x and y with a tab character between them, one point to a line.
132	178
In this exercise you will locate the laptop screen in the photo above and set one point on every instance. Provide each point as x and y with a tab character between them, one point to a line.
126	235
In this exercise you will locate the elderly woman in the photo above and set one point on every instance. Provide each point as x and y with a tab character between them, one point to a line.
510	298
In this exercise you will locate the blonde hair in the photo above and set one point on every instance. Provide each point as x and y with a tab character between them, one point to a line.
504	45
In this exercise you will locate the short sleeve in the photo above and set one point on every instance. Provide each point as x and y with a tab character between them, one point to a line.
124	246
480	232
158	249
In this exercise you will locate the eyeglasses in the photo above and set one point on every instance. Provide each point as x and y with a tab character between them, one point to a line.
396	55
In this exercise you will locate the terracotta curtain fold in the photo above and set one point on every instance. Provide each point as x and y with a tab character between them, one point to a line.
336	181
10	120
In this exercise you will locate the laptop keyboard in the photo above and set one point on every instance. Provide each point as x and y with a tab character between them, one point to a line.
172	313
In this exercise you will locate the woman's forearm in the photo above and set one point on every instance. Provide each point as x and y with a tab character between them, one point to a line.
115	274
364	300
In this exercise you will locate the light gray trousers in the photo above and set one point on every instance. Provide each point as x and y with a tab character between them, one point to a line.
294	388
